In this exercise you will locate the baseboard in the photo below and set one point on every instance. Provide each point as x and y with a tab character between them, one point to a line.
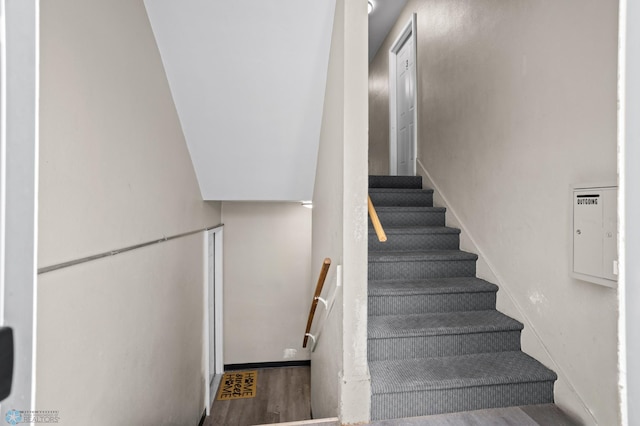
422	171
252	365
204	416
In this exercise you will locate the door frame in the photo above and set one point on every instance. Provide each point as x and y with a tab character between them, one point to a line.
213	281
408	32
628	211
20	48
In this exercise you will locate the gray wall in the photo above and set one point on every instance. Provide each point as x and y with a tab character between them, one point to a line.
517	101
122	334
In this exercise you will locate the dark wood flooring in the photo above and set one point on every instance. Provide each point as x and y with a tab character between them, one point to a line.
283	395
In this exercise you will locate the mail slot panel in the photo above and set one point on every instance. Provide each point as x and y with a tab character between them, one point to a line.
595	252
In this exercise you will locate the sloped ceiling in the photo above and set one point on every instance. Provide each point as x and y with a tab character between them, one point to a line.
381	19
248	80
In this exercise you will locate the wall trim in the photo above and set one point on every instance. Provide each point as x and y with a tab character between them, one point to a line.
501	283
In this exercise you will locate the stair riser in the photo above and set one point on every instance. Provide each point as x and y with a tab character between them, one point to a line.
408	182
421	269
411	218
427	303
415	242
399	199
423	403
443	345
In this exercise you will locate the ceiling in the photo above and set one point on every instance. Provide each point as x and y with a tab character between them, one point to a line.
248	94
248	80
381	19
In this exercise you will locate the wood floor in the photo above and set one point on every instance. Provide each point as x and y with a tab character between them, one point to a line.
530	415
283	396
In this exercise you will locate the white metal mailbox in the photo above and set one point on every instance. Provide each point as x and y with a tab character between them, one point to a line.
595	248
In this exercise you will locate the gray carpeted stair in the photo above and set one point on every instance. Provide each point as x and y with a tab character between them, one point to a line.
385	265
401	197
410	216
404	182
406	238
441	334
436	342
389	297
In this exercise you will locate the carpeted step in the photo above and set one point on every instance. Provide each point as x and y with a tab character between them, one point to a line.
441	334
411	216
394	297
407	238
401	197
414	265
412	182
418	387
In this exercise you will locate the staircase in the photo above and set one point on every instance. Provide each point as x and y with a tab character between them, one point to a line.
436	343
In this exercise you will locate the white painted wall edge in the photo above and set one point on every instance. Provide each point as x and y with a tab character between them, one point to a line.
217	300
629	207
205	326
622	261
20	299
3	152
501	283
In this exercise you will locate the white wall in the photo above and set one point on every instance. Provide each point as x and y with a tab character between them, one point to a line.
267	281
18	194
340	382
326	360
517	102
123	334
248	80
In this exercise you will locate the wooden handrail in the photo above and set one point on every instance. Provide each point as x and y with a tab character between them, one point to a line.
323	276
382	237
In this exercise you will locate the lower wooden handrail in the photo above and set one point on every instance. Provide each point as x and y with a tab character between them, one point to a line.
382	236
321	278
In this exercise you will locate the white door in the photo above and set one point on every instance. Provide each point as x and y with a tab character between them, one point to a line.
403	139
405	87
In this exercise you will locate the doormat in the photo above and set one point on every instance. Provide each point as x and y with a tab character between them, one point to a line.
238	385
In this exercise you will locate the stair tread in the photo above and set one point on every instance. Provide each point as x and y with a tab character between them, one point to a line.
434	324
423	255
404	209
425	374
430	286
382	181
401	230
400	190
